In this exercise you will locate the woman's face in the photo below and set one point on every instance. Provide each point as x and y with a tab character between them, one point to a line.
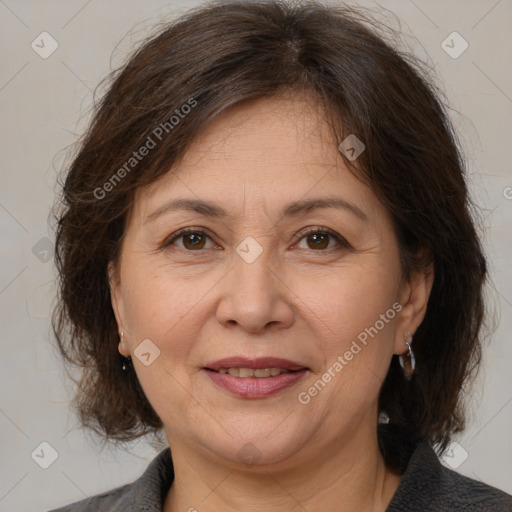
257	285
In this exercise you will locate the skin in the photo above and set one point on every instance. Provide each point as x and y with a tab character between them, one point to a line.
302	299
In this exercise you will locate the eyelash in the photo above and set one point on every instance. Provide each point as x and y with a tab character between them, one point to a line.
302	234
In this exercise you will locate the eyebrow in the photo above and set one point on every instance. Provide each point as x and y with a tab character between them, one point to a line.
294	209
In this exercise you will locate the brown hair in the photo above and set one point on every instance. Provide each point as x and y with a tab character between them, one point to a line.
219	55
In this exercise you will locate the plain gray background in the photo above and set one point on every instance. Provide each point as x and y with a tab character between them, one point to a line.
45	104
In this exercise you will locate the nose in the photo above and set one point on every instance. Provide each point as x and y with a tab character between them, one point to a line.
255	297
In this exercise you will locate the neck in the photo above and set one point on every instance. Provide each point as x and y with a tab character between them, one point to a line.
350	475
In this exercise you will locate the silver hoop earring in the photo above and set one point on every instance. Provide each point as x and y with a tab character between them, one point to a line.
407	360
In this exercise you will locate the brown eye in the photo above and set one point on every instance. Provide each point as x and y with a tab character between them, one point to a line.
319	239
192	239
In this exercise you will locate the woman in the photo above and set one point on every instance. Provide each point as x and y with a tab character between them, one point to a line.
266	245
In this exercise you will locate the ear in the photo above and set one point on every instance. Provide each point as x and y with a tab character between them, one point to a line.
414	295
117	301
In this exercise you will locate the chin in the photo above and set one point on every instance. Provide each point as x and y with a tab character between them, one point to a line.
259	449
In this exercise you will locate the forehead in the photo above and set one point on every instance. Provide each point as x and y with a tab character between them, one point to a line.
263	152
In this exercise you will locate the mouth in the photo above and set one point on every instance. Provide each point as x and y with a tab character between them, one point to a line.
260	373
245	365
255	378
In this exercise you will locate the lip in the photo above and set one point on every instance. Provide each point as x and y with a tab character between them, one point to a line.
255	387
255	364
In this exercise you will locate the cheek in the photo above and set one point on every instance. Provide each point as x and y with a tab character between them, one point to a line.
165	309
162	311
355	321
350	300
152	300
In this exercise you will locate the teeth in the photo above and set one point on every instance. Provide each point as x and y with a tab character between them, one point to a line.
248	372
